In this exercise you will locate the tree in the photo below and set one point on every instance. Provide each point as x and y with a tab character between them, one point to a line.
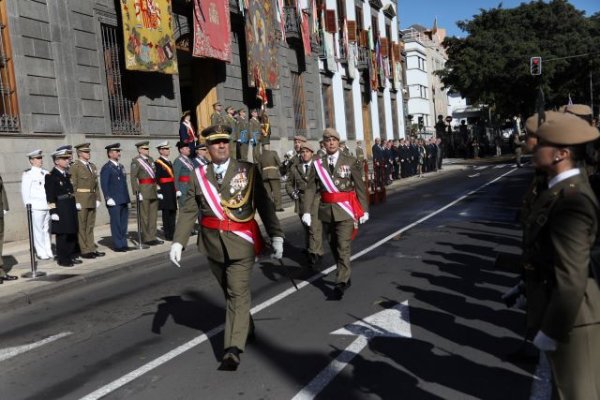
491	64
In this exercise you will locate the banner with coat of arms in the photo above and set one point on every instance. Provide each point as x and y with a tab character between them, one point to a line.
148	36
261	47
212	27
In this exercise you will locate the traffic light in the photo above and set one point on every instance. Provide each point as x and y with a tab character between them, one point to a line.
421	123
535	65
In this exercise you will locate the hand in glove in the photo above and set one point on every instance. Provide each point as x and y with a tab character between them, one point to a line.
178	194
97	203
78	206
160	196
55	217
277	243
5	212
364	218
110	203
175	253
306	219
543	342
140	197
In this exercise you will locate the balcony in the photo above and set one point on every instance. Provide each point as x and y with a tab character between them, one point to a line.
292	25
363	58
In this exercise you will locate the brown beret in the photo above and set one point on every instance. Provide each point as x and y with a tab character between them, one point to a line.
307	146
330	132
301	138
566	129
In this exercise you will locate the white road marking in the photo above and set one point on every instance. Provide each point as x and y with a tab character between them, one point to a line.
500	166
392	322
481	167
11	352
541	388
474	175
116	384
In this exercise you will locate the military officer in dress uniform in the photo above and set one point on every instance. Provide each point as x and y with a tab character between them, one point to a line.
343	204
201	156
3	210
298	178
232	123
63	212
34	193
217	117
299	140
360	152
182	168
116	196
227	193
243	135
558	236
84	178
269	165
166	183
254	132
187	134
143	182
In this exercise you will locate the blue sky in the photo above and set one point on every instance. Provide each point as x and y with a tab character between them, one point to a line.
449	11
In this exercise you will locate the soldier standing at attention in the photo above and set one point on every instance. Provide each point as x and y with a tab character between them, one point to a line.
143	182
84	177
116	196
3	210
243	135
63	212
182	168
298	179
228	193
269	165
254	129
187	134
360	152
232	123
34	193
167	202
343	204
217	117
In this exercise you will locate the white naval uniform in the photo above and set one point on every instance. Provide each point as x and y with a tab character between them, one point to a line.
33	192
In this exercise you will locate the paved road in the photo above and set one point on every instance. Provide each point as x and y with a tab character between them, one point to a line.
433	325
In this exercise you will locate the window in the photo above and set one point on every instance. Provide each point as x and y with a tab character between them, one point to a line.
123	105
298	100
329	118
9	110
418	91
349	108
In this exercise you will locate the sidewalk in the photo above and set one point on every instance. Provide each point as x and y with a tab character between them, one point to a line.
24	291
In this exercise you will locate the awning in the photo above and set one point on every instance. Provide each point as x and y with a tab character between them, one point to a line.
466	112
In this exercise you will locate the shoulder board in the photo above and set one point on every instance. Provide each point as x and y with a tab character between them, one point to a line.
27	170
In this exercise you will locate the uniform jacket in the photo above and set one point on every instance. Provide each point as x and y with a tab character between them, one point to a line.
186	133
232	123
242	130
61	201
217	119
114	183
3	199
558	235
298	181
254	131
269	164
360	154
347	178
243	193
138	172
85	183
32	188
164	170
181	168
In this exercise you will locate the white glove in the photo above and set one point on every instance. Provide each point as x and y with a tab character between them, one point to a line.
110	202
55	217
140	197
5	212
78	206
97	203
175	253
364	218
160	196
178	194
306	219
543	342
277	243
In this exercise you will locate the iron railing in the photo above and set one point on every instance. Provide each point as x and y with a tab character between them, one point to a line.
363	58
9	116
292	24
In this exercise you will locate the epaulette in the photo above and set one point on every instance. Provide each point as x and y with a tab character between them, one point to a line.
27	170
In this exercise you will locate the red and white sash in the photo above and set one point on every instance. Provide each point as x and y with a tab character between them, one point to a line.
190	132
331	188
187	163
147	167
214	201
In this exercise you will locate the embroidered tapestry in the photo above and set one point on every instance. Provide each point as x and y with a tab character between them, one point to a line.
148	36
212	27
261	46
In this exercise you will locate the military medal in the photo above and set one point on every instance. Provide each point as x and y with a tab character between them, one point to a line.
336	182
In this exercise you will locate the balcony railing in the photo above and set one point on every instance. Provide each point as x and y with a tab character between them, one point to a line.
363	58
292	24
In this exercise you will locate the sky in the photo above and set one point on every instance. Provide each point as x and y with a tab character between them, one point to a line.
449	11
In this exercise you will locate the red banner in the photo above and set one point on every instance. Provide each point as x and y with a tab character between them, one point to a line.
212	29
261	46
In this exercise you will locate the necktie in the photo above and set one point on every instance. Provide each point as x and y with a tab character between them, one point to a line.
331	166
219	173
305	169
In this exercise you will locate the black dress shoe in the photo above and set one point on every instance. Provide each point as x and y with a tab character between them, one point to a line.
76	261
88	255
67	264
9	277
231	360
99	253
120	249
340	288
154	242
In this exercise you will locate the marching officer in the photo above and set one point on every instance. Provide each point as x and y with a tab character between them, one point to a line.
116	196
255	134
227	193
34	193
63	212
201	156
3	210
232	123
84	178
143	182
343	204
182	168
167	202
269	165
298	179
299	141
217	117
243	135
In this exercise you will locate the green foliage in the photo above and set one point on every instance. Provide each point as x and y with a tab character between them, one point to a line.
491	64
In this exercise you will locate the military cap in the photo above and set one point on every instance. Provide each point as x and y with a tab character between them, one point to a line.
83	147
66	147
254	110
63	153
35	154
181	144
301	138
114	146
185	114
201	146
143	145
218	103
163	145
566	129
307	146
242	110
330	132
216	132
229	108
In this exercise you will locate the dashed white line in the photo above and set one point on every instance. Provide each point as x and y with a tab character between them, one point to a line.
11	352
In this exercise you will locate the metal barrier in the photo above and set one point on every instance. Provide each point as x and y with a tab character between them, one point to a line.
34	273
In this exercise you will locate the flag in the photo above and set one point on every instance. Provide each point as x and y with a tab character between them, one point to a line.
261	46
212	27
570	100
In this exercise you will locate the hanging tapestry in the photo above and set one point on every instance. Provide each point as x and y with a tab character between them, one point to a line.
212	38
148	36
305	28
261	46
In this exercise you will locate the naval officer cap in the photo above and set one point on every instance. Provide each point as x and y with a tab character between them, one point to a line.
565	129
37	153
114	146
66	147
83	147
163	145
143	145
216	132
330	133
62	153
